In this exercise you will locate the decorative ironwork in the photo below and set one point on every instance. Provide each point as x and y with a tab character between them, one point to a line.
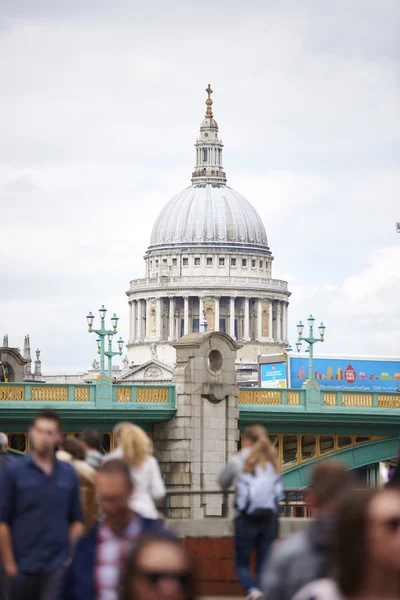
49	393
357	400
12	392
388	401
293	398
260	397
81	394
152	394
123	394
330	399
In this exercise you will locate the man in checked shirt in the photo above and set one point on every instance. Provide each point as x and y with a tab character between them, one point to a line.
94	572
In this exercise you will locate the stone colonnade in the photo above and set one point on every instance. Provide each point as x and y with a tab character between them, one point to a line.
245	318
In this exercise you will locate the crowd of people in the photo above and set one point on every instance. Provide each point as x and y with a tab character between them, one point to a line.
79	524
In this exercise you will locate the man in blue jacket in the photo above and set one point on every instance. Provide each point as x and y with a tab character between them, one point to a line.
94	572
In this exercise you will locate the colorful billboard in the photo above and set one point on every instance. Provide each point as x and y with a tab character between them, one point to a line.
273	375
347	374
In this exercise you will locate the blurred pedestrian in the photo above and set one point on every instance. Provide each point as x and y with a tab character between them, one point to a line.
72	451
91	440
255	473
158	568
5	460
40	514
135	447
306	555
4	457
366	558
94	572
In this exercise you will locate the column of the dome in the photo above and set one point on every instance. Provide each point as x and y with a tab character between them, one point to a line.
133	320
186	315
285	322
171	323
259	319
201	310
147	334
246	336
270	321
139	319
216	313
130	303
279	322
158	319
232	316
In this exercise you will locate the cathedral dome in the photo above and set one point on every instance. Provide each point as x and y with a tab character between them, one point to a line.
209	215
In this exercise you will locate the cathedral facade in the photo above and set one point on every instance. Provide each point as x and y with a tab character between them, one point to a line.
208	267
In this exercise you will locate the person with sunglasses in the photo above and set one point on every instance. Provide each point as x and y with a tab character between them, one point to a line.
366	557
158	568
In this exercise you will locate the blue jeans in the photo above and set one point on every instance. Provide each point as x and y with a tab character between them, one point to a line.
249	536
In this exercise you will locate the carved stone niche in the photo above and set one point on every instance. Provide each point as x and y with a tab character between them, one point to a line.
210	364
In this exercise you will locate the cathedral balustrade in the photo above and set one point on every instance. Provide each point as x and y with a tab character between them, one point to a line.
165	282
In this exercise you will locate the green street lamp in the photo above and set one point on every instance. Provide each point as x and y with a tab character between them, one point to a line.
310	340
102	334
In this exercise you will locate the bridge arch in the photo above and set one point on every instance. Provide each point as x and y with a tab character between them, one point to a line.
354	457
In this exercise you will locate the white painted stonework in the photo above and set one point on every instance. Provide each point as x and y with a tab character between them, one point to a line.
208	264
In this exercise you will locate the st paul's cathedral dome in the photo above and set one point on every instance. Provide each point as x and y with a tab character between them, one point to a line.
208	266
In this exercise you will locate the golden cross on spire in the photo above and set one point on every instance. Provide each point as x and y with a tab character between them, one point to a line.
209	102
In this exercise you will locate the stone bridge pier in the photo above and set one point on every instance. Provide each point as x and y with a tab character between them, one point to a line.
194	446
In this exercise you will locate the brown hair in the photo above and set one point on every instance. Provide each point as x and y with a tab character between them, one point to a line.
350	544
116	466
131	564
329	480
262	451
74	448
50	415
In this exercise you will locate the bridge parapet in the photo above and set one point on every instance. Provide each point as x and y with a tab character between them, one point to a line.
143	403
298	398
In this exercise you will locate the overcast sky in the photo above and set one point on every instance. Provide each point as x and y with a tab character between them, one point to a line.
101	103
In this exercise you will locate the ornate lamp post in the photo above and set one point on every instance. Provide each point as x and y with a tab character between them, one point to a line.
310	340
102	333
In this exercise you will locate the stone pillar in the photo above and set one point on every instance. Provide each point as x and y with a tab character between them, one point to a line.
158	319
139	320
171	324
201	308
186	315
133	321
232	317
130	303
270	321
195	445
284	323
148	305
216	314
246	336
259	319
279	322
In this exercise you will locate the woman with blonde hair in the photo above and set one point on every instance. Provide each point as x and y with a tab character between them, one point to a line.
255	474
136	448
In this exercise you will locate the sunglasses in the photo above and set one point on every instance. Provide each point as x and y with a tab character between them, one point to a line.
154	577
393	524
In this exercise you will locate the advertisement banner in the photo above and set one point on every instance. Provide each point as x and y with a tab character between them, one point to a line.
348	374
273	375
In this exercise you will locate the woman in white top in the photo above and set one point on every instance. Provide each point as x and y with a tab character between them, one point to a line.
135	447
